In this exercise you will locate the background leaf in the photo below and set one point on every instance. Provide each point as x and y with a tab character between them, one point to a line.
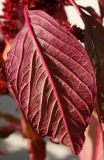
9	118
94	43
52	79
6	130
101	5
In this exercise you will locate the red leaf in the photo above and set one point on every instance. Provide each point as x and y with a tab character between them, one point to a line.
6	131
92	12
53	82
9	118
94	45
3	87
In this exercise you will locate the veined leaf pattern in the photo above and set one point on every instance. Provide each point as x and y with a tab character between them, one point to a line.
52	79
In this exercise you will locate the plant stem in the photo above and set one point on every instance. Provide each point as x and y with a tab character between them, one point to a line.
76	7
79	11
36	149
98	136
99	144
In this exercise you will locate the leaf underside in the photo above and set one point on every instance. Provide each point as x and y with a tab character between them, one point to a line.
53	82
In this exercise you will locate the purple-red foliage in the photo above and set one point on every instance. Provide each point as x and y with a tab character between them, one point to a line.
76	31
13	13
14	20
52	87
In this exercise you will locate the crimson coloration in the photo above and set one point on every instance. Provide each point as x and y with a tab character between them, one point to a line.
52	79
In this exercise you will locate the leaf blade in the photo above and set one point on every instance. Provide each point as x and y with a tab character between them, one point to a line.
94	46
47	85
6	131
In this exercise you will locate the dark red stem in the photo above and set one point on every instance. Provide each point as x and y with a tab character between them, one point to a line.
36	149
99	140
76	7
